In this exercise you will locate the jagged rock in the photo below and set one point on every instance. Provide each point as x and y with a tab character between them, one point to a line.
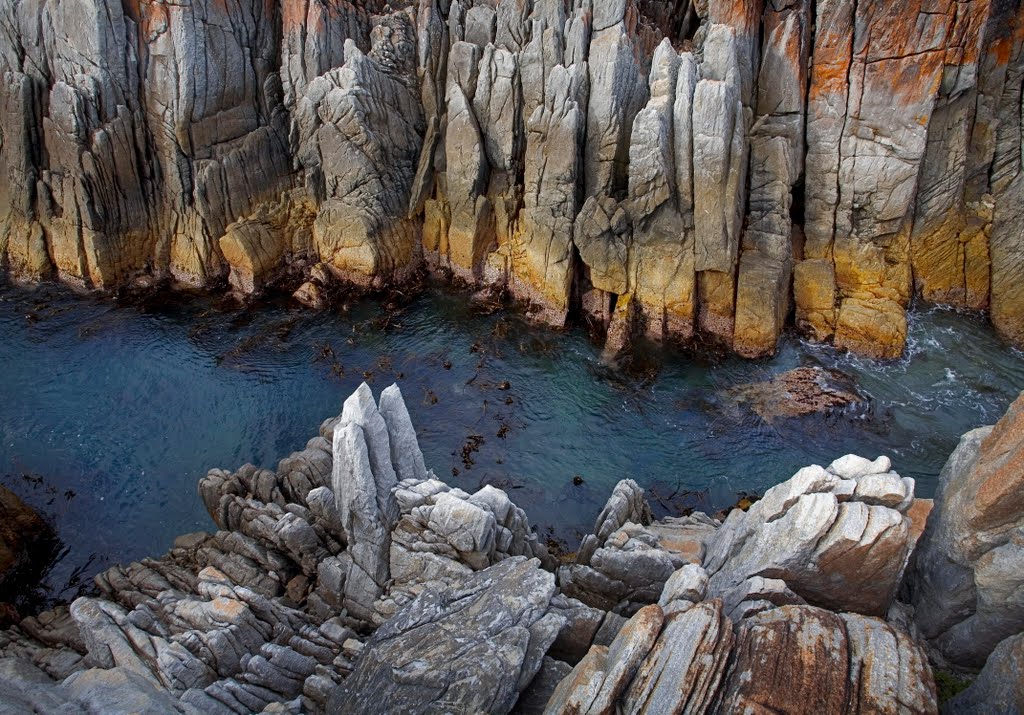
624	565
541	254
663	281
362	479
472	648
197	141
719	155
262	615
405	449
828	544
795	659
361	129
625	505
617	93
693	646
600	679
862	176
445	534
776	164
968	569
466	176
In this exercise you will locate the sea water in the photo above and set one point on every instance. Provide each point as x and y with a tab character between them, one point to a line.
112	410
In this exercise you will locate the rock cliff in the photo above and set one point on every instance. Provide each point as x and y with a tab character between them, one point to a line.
350	579
665	167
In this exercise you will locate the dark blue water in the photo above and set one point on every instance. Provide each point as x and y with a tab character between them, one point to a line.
111	411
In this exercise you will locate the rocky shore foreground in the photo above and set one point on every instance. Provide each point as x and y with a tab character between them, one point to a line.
352	580
669	168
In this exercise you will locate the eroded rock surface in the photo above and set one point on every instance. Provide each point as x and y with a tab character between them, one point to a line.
351	579
668	168
798	392
689	657
470	648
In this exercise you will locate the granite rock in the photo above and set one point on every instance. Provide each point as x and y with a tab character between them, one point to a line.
967	574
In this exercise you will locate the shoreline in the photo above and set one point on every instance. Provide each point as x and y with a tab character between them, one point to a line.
662	488
352	537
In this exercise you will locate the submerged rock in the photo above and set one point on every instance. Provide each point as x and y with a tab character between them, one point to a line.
798	392
26	548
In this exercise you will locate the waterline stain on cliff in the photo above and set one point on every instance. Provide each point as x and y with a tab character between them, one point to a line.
129	404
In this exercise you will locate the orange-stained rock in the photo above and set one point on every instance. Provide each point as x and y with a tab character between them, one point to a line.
918	515
969	564
761	304
717	295
873	327
814	292
792	659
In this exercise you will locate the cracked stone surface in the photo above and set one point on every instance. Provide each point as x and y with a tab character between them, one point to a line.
670	168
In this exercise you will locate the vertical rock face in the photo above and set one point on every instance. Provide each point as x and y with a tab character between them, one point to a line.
776	164
542	253
968	576
668	168
1004	59
362	480
893	180
360	130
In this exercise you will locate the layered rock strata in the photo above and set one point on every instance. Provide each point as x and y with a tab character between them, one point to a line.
665	168
350	579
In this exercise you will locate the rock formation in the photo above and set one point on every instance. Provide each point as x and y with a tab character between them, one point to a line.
1000	685
798	392
968	574
689	657
350	579
666	168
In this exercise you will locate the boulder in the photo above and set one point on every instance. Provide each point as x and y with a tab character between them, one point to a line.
999	688
841	543
968	569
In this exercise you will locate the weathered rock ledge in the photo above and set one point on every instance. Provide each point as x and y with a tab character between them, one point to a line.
352	580
664	167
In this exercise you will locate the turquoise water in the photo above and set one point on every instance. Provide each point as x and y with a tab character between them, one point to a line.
111	411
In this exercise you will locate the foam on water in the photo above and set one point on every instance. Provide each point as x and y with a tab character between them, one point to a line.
111	413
